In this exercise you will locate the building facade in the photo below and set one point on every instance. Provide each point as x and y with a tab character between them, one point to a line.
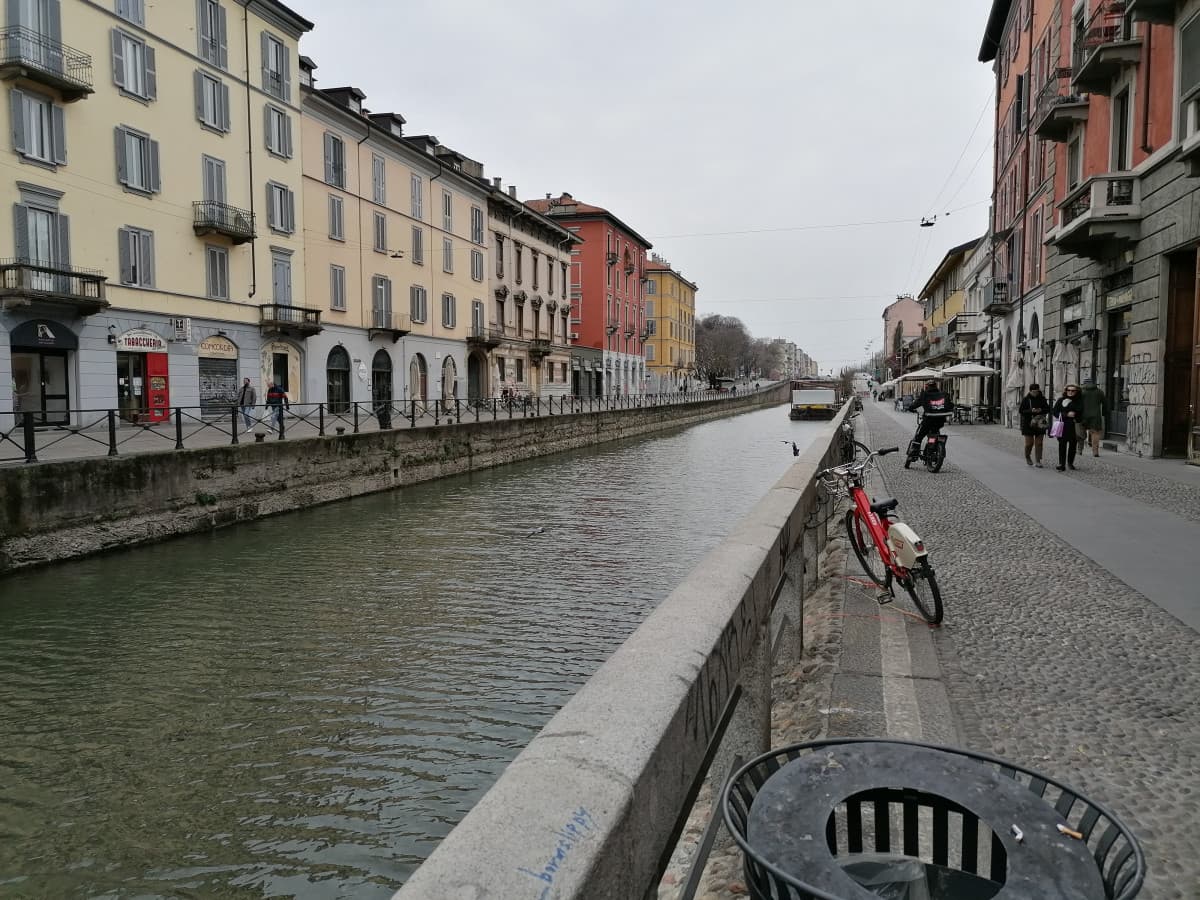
526	337
944	300
608	306
671	317
155	243
902	322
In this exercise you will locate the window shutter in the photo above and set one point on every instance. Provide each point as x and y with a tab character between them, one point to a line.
17	104
268	131
225	121
54	22
155	176
286	74
124	256
122	159
151	74
287	136
290	212
265	50
376	294
222	38
271	223
198	84
21	230
64	241
329	159
387	295
146	257
118	58
202	30
59	138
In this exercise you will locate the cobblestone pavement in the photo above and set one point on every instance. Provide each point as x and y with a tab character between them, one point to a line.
1050	660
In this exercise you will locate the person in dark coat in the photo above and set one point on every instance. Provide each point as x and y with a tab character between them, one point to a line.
1069	408
1092	419
1035	419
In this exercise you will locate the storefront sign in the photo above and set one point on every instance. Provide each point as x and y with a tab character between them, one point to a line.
1117	299
42	334
141	340
217	347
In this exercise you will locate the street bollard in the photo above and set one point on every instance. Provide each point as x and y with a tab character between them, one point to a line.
30	450
356	418
321	420
112	432
178	428
280	414
233	425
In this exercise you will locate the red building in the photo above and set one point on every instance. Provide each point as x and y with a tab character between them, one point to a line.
608	311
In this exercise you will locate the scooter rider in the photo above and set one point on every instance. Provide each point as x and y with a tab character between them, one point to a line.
937	408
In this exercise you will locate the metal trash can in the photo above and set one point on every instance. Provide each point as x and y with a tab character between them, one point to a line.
864	819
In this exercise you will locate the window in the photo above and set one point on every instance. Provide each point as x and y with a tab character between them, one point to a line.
42	234
213	178
212	101
499	256
337	287
1074	163
137	161
449	317
281	208
517	254
533	265
278	128
131	11
447	211
650	353
520	364
379	180
381	301
335	160
416	200
477	225
549	276
212	35
281	278
133	66
337	218
417	303
477	265
216	267
276	68
447	255
380	233
1189	77
1122	126
38	128
477	315
135	251
564	279
651	288
418	246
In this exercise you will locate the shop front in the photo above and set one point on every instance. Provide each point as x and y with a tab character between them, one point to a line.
282	363
218	364
42	357
143	378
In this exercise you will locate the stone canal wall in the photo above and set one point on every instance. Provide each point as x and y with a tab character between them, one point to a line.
59	510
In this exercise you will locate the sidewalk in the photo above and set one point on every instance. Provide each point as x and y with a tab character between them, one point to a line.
1047	655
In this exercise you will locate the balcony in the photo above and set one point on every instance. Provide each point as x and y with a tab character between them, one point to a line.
1108	46
1059	108
997	300
210	217
385	323
539	349
612	326
1156	12
486	338
24	283
629	333
25	53
289	320
1101	217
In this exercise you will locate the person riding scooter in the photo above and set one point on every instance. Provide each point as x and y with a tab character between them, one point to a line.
937	409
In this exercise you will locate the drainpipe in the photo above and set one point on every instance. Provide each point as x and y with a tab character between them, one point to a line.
249	148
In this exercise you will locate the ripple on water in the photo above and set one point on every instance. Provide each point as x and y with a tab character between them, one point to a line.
304	706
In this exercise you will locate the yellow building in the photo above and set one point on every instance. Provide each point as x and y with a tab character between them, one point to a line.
944	298
396	252
671	315
155	244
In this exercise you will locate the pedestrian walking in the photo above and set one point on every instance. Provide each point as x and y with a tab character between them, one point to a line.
247	400
1035	420
277	402
1092	420
1068	410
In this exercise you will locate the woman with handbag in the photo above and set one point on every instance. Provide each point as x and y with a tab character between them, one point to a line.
1035	419
1068	410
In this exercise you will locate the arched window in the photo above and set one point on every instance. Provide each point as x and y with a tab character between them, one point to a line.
337	380
1034	328
381	379
418	378
449	379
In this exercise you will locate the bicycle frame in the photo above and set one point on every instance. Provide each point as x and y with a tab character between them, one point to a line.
874	525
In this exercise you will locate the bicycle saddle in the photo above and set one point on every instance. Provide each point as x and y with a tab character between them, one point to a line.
879	507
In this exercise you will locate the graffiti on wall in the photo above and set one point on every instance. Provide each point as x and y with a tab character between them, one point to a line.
1139	378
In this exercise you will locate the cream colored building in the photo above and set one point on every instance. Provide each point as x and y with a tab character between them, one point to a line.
154	172
396	253
528	322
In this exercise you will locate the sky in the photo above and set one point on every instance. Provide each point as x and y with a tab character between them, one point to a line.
748	141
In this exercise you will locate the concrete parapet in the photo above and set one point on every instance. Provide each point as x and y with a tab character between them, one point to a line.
592	807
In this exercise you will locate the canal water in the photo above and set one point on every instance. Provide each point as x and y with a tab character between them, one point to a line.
304	706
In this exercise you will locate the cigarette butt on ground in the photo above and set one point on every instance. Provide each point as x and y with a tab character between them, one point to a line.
1071	832
1018	834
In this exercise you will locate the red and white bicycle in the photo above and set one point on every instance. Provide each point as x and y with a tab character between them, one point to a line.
890	551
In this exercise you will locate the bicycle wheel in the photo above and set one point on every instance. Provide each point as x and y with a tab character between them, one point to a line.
922	588
864	547
934	461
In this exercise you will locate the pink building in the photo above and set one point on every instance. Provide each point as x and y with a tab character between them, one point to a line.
907	315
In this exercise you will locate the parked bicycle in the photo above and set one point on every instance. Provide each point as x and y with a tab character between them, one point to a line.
889	551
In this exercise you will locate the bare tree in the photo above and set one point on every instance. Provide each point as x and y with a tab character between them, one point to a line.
722	347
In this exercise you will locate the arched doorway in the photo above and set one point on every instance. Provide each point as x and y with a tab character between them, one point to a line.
42	362
418	378
381	379
476	377
337	381
449	379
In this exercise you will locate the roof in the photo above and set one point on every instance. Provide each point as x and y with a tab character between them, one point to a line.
995	30
580	211
658	265
952	255
284	16
527	209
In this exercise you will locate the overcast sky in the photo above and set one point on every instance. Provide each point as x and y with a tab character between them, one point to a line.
689	117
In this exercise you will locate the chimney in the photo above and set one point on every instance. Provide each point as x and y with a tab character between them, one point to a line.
512	191
496	182
547	195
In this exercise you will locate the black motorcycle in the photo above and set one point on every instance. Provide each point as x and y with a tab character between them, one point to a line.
931	450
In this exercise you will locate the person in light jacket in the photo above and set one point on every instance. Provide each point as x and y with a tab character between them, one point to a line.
1069	408
1035	419
247	399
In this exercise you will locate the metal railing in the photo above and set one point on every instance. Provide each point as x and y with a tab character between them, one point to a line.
22	278
1107	25
297	316
1056	92
209	215
386	320
25	438
33	50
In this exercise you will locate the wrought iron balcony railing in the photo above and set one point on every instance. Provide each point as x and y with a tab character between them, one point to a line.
285	318
1059	107
211	217
487	337
28	282
25	53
